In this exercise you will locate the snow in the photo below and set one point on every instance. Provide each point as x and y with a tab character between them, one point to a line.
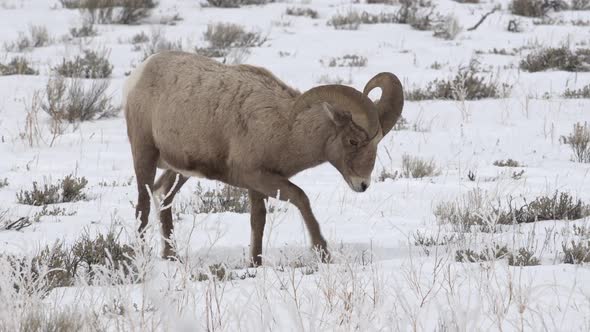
401	288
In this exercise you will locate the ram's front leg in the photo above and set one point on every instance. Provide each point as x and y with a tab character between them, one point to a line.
257	222
270	184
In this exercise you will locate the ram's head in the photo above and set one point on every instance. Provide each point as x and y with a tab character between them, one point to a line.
360	124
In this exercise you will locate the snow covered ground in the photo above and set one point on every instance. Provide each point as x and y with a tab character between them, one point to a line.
381	278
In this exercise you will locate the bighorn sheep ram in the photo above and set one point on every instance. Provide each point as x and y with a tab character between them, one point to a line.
241	125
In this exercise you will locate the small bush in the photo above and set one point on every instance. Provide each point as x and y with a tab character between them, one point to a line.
580	4
507	163
414	167
299	11
348	60
524	257
448	28
86	30
561	58
535	8
579	93
385	174
17	66
69	189
579	141
156	43
235	3
349	21
466	85
475	210
576	253
54	320
224	199
112	11
226	35
368	18
3	183
487	254
73	103
38	37
141	37
91	65
61	266
222	37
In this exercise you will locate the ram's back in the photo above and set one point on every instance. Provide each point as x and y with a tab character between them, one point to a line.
202	114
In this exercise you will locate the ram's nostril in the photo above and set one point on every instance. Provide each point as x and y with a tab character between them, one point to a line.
364	186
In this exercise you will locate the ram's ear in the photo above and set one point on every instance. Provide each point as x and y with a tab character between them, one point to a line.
340	118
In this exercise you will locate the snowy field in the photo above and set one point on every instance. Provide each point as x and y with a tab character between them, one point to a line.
398	265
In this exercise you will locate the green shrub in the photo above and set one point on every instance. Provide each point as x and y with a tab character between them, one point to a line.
91	65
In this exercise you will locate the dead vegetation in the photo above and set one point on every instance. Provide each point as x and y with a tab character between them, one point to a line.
559	58
301	11
415	167
467	84
474	209
91	64
17	66
112	11
61	266
69	189
222	38
38	36
72	102
579	141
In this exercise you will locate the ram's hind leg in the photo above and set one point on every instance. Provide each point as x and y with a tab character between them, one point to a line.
168	186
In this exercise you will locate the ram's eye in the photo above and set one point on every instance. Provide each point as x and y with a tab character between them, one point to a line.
353	142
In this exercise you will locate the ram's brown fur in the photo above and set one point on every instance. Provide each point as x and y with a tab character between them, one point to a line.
193	116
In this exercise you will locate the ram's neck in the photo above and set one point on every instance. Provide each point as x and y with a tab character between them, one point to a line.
306	148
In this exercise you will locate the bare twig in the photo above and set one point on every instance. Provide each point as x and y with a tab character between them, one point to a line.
483	18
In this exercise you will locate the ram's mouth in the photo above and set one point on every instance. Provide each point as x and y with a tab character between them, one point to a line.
358	184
